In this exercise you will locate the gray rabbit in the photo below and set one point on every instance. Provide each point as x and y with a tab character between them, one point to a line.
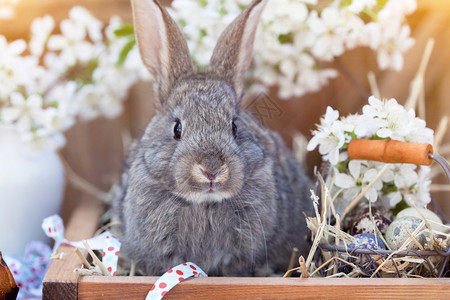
207	182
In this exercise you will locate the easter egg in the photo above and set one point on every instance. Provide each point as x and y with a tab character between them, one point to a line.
367	241
397	232
363	208
428	214
364	224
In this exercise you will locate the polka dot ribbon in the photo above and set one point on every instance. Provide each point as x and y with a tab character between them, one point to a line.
29	271
172	277
54	228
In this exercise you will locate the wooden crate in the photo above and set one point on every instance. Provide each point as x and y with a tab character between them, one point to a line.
61	282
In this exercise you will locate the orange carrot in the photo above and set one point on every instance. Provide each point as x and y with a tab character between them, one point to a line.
390	151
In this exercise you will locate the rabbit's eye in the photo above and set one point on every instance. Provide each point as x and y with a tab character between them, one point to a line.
177	130
234	129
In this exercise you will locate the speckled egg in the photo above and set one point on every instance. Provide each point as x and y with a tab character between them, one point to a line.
367	241
411	211
364	224
396	233
363	208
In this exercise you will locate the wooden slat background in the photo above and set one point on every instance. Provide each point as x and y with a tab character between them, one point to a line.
94	150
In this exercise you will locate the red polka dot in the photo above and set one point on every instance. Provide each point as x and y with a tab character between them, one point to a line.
107	236
103	253
179	272
170	271
195	273
117	253
163	293
15	272
180	279
109	269
114	274
49	230
19	284
162	285
111	248
192	267
153	287
185	264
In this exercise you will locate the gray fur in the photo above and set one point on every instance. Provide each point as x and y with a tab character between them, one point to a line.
255	214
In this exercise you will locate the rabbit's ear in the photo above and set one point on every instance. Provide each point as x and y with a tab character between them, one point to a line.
162	46
233	53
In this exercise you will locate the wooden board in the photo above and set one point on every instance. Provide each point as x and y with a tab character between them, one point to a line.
61	282
267	288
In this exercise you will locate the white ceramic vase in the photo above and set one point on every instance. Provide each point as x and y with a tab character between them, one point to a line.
31	188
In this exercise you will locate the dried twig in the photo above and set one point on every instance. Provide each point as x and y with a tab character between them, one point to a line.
301	260
417	83
83	259
292	260
97	261
440	187
133	268
332	259
405	244
373	85
440	132
106	226
84	185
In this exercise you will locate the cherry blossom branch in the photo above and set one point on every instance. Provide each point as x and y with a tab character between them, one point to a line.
363	192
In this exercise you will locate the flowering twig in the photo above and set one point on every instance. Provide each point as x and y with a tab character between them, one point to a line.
363	192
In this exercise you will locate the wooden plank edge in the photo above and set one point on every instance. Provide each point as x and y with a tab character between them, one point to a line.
60	281
137	287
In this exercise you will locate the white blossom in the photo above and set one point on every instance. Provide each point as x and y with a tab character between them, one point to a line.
296	37
357	180
359	5
7	9
330	137
68	76
330	33
41	29
384	119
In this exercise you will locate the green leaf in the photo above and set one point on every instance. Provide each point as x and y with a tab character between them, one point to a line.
376	137
124	52
54	104
202	3
340	167
286	38
399	207
81	72
126	29
203	33
345	3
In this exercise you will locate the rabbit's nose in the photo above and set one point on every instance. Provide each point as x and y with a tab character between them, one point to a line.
209	176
